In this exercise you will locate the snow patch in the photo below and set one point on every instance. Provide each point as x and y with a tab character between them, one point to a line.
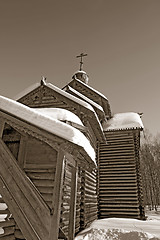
3	206
47	123
123	121
60	114
121	228
1	230
2	217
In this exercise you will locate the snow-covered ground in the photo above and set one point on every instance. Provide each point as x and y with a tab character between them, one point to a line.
123	229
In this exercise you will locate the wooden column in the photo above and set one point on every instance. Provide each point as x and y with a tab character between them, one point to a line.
82	222
2	123
57	197
72	215
22	150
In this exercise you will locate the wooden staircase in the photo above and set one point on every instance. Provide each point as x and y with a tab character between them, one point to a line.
118	176
29	209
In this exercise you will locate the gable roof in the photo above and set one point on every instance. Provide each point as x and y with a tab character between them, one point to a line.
73	102
98	109
56	89
91	93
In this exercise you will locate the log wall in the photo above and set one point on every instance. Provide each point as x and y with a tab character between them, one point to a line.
119	182
88	198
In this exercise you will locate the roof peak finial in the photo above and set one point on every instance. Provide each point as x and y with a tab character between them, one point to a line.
81	62
43	81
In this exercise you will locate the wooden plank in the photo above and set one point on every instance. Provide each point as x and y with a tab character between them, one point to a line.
18	212
7	223
2	124
72	214
57	197
9	237
41	176
22	151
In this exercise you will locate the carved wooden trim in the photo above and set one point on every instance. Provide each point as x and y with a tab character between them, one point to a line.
27	128
51	139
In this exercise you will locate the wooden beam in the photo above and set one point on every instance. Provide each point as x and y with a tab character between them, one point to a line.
72	214
22	151
2	123
57	197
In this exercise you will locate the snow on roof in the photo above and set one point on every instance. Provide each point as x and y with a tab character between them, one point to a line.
121	228
60	114
56	89
123	121
80	71
86	98
47	123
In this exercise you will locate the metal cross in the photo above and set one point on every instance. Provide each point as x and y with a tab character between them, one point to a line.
81	62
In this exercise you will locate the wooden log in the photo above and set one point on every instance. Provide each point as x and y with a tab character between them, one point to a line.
9	237
72	214
57	196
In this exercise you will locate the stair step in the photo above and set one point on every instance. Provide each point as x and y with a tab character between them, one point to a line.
9	237
7	223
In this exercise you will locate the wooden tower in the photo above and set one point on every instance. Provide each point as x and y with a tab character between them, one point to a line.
119	184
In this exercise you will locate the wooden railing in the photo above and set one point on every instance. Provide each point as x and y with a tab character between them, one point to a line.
26	204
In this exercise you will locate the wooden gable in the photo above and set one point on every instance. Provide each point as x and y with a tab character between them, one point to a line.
42	97
92	94
46	97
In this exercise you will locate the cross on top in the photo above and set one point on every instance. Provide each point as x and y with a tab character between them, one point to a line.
81	62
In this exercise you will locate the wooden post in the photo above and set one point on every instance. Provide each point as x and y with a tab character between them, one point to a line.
57	197
72	215
22	151
2	123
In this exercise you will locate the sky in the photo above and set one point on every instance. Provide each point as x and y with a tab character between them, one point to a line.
121	37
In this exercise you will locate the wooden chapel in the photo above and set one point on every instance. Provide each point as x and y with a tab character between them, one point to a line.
49	180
